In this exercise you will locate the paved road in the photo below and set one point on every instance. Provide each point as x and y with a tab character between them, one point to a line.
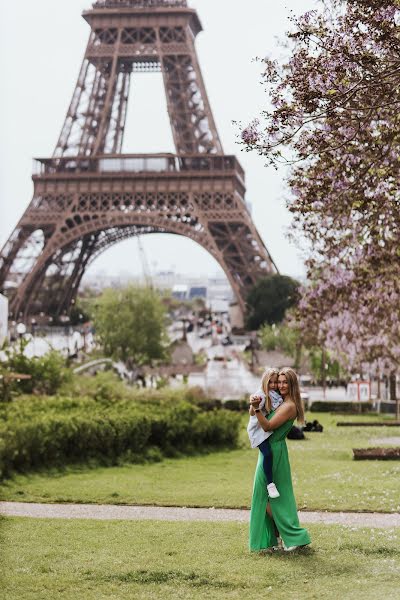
226	375
163	513
229	377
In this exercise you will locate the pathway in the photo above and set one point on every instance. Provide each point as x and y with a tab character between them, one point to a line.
164	513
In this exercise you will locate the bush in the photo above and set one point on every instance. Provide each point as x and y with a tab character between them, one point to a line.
47	373
232	405
43	432
236	405
341	407
107	388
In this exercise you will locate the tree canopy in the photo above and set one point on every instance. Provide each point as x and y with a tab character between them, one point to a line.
335	119
269	300
131	324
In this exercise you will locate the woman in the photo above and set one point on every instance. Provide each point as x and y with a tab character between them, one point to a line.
271	518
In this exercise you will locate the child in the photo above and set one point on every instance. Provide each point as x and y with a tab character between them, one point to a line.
270	400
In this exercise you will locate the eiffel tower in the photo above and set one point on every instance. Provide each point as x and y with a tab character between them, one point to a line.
89	195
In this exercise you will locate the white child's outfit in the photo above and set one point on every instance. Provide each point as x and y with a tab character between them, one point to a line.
259	439
255	431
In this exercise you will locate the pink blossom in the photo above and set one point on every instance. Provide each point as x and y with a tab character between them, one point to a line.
251	135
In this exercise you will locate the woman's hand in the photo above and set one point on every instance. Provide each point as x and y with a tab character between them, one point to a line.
255	401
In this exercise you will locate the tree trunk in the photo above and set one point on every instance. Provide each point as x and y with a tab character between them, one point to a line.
297	360
393	393
323	371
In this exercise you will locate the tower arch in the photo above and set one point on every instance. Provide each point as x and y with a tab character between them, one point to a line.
89	189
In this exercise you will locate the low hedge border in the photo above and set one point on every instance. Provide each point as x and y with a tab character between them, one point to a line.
55	433
341	407
232	405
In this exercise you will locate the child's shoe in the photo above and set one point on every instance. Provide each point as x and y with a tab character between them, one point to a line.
272	491
290	548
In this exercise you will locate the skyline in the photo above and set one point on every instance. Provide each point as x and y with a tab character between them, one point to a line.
34	107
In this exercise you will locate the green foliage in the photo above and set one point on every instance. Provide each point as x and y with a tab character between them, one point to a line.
280	337
269	299
47	373
80	313
104	387
321	360
37	432
107	387
224	478
130	324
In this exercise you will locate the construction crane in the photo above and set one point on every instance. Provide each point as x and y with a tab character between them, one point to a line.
145	265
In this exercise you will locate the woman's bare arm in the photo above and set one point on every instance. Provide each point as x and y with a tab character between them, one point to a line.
284	413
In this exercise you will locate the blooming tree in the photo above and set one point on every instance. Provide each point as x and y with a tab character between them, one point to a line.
335	118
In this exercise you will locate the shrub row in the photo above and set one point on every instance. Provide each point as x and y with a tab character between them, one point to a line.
107	387
233	405
45	432
341	407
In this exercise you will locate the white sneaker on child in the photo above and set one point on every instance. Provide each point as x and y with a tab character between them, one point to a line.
290	548
272	491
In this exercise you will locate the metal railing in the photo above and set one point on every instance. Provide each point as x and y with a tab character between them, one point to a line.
138	163
139	3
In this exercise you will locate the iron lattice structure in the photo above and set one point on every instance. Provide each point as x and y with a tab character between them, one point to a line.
89	195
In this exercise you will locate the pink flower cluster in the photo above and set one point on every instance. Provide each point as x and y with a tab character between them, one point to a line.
251	134
336	120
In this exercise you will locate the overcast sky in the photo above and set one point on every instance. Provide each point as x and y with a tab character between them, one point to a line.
42	43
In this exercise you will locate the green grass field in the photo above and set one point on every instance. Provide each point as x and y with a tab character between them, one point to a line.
94	560
324	474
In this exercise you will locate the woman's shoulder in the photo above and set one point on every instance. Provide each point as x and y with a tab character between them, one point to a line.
289	407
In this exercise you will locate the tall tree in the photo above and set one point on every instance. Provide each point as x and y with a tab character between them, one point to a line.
269	300
131	324
335	119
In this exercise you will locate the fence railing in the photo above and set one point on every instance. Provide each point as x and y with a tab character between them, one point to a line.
138	163
139	3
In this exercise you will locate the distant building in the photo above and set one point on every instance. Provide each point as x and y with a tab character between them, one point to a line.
198	292
3	318
219	306
180	291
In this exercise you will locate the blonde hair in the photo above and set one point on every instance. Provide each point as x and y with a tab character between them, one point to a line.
265	386
294	391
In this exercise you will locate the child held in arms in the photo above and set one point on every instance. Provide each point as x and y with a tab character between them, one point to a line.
270	400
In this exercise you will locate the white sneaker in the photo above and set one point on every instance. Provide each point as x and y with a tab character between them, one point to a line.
290	548
272	491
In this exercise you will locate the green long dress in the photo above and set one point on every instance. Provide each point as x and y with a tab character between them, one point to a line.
284	508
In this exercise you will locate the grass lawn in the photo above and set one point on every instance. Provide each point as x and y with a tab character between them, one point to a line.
45	559
324	473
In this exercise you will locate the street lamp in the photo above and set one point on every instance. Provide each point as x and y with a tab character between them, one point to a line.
21	329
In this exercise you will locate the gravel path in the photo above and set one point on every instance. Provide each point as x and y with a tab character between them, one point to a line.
164	513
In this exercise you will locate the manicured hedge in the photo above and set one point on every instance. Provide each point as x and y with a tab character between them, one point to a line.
44	432
341	407
233	405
